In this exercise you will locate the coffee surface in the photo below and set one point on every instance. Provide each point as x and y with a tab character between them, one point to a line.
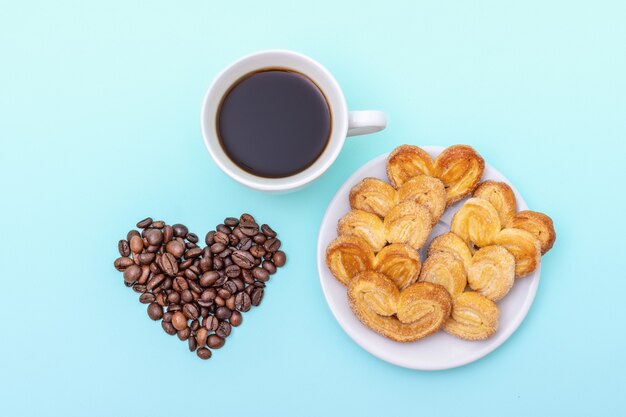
274	123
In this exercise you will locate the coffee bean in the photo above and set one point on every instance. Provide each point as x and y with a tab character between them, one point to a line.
268	231
215	342
180	284
155	311
136	244
208	278
159	224
174	308
184	334
204	311
205	264
257	251
192	237
256	296
211	323
233	271
132	273
225	254
246	218
195	287
223	228
272	245
179	321
155	281
191	311
259	238
123	247
208	239
279	258
235	319
169	264
185	264
269	267
175	247
173	297
223	313
221	237
180	230
231	221
142	224
237	232
247	276
168	234
218	263
132	233
195	325
154	236
161	299
250	229
201	336
168	316
230	287
122	263
139	288
261	274
242	301
168	327
203	353
223	330
217	247
193	253
146	298
145	258
243	259
192	344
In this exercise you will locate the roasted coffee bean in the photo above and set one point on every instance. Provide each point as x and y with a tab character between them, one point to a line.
132	233
174	308
184	334
247	276
233	271
223	313
272	245
269	267
159	224
193	253
230	286
132	273
179	321
217	247
242	301
238	285
123	247
257	251
175	247
208	278
191	311
223	330
231	221
211	323
221	237
268	231
145	274
204	311
218	263
180	230
204	353
180	284
122	263
161	299
208	239
136	244
192	344
237	232
261	274
223	228
153	248
167	316
185	264
168	327
146	298
192	237
155	311
225	254
195	325
246	218
190	275
155	268
223	293
169	265
155	281
279	258
139	288
249	230
243	259
194	286
208	295
154	236
259	238
235	319
221	281
256	296
167	283
233	240
145	258
230	302
215	342
168	234
142	224
173	297
201	336
205	264
191	245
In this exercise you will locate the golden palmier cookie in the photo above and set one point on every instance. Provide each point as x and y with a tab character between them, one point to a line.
365	225
477	222
492	272
347	256
524	246
373	195
447	270
426	190
400	263
420	310
538	224
409	223
474	317
501	196
451	243
406	162
460	168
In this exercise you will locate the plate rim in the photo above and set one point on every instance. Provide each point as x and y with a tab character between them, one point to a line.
353	334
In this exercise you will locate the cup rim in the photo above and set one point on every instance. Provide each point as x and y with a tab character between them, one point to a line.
313	172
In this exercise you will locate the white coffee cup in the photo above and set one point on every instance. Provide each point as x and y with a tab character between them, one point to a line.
344	124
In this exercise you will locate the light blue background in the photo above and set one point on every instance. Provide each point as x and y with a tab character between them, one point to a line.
99	106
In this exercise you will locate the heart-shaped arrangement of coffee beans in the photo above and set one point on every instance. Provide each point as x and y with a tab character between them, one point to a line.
200	293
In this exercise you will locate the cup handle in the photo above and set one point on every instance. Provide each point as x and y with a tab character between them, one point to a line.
363	122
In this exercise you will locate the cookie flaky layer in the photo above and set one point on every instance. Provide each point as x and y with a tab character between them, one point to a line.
477	222
347	256
400	263
538	224
420	310
460	168
492	272
406	162
447	270
425	190
524	246
365	225
474	317
373	195
409	223
451	243
501	196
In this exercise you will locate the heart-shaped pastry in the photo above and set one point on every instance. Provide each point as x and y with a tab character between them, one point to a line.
460	168
418	311
477	222
451	243
406	162
501	196
365	225
373	195
524	246
347	256
473	317
426	190
447	270
400	263
492	272
538	224
409	223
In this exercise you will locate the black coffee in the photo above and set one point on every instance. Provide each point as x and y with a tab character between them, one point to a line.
274	123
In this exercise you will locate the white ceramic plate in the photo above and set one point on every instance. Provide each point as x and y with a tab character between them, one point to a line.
439	351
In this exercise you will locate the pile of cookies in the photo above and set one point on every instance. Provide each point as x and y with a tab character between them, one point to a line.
376	254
